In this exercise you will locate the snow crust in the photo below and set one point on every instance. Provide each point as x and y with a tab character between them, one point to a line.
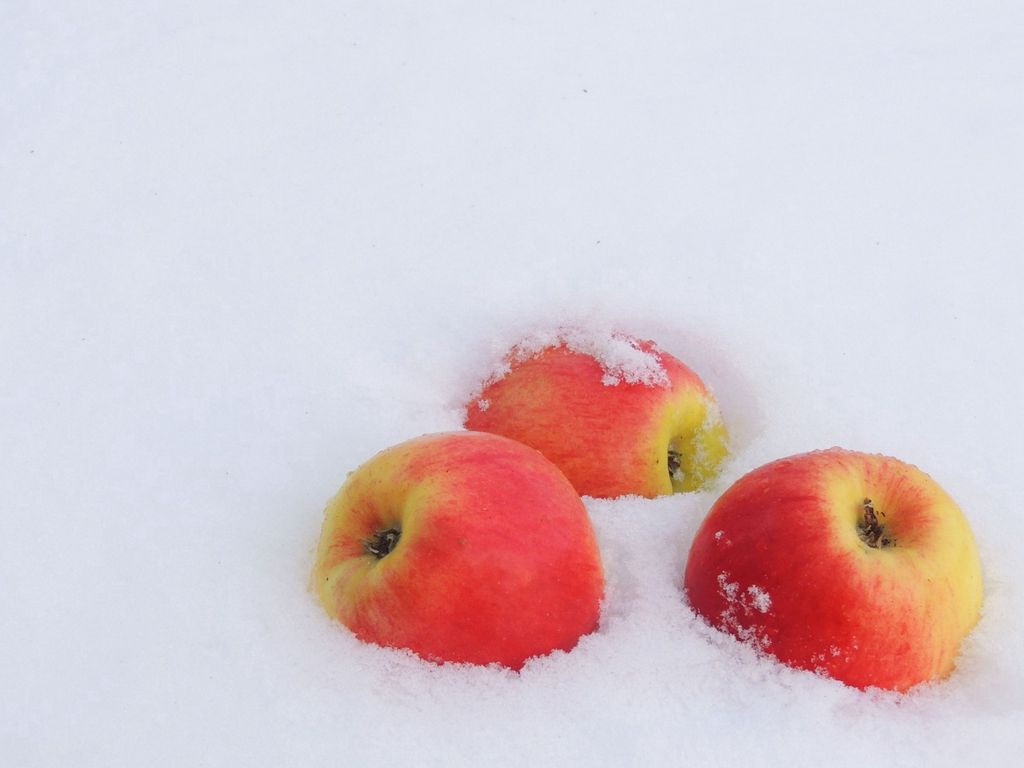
245	246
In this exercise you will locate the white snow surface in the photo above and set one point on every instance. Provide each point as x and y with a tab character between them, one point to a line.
244	246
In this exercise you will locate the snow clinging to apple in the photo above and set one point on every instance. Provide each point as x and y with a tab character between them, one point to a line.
618	415
852	565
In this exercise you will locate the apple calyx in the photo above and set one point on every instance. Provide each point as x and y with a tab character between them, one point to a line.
870	528
382	542
675	464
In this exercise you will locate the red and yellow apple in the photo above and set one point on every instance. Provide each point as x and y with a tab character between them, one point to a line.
618	418
463	547
853	565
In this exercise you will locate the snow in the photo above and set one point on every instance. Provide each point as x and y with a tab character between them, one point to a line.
621	357
759	598
739	606
245	246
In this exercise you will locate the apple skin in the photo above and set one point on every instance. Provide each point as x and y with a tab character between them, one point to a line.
780	562
610	439
496	559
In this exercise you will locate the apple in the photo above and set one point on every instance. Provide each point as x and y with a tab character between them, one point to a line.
852	565
462	547
617	415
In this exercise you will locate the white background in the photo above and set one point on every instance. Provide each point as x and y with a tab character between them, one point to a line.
244	246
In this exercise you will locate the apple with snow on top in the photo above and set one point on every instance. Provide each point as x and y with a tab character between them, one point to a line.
462	547
617	415
852	565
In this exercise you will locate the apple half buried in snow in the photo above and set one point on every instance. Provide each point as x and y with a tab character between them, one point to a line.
617	415
462	547
852	565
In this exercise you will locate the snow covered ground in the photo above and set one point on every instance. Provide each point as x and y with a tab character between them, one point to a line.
244	246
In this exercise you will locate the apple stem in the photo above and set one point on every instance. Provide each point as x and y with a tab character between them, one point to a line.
871	530
382	542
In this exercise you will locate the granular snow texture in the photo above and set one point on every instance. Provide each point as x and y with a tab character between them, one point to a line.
245	246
